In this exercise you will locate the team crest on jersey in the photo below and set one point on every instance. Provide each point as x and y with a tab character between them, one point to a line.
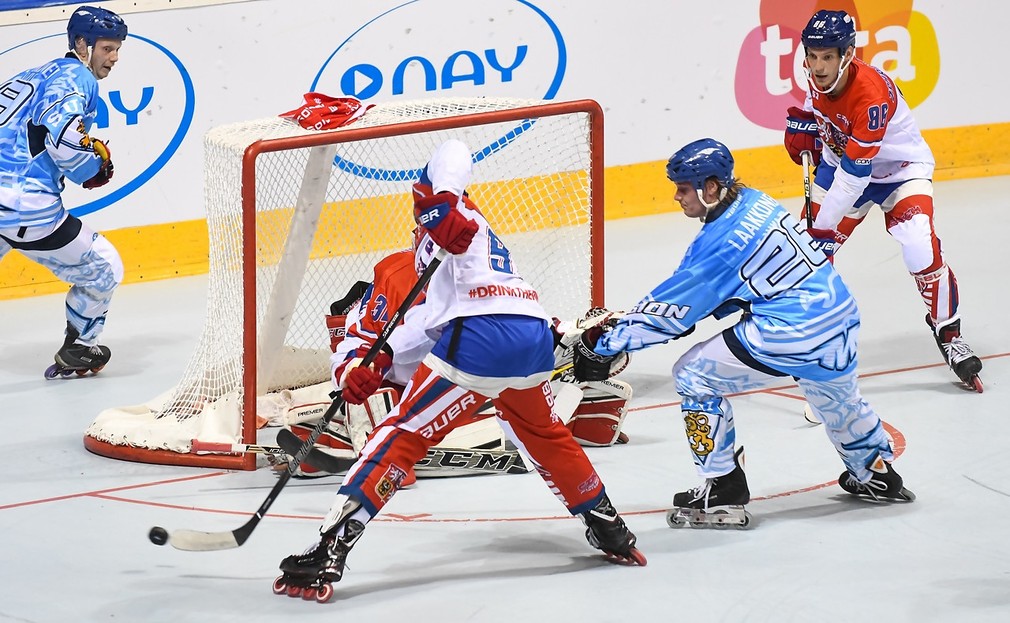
390	482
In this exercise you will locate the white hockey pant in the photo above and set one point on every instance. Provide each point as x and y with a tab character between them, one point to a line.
88	262
709	372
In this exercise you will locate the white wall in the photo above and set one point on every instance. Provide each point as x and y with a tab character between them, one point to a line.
665	71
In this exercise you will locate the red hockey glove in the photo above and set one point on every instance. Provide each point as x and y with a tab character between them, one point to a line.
105	171
801	135
361	382
824	239
448	227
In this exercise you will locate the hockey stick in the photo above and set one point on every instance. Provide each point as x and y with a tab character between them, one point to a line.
807	157
236	448
197	540
476	460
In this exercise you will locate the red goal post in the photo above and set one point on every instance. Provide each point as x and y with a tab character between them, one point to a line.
295	217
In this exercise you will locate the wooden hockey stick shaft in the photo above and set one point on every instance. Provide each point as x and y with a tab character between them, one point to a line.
196	540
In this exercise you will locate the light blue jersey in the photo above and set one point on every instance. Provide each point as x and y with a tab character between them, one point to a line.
45	116
800	318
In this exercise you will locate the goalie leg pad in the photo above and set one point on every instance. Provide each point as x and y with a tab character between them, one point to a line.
600	414
364	418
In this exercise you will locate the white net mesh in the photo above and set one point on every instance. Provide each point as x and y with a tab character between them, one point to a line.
325	215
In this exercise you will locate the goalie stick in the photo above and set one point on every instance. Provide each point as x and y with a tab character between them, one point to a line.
476	460
279	454
197	540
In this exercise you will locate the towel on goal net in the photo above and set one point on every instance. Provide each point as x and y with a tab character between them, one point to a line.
321	112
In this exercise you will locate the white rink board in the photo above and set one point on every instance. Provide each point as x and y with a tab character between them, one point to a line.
664	72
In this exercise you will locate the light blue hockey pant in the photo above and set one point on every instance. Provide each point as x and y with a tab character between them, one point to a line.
83	258
708	372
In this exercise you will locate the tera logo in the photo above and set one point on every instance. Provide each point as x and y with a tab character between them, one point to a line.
148	100
770	74
463	56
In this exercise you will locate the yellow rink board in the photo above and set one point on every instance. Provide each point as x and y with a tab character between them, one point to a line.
630	190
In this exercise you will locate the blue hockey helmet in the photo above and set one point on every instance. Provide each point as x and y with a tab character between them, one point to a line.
94	23
830	29
698	161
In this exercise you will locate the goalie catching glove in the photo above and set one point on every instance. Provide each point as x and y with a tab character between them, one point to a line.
359	382
105	170
438	215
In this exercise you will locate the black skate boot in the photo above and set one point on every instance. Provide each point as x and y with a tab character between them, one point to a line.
884	483
77	358
956	352
606	531
718	502
310	575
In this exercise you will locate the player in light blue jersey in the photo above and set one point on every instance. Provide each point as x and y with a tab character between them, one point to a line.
799	320
46	114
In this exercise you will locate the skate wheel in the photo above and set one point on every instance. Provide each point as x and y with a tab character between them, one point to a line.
52	372
324	593
673	520
746	521
279	586
294	591
976	384
637	557
66	373
97	370
81	372
309	594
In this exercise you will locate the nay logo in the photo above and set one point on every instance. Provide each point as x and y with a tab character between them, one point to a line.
147	100
506	48
890	35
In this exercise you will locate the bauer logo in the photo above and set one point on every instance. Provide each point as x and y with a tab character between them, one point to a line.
890	35
144	111
495	47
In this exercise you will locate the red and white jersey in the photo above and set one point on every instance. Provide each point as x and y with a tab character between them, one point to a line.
869	136
394	276
482	281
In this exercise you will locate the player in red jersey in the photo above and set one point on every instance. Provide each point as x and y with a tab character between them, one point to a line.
856	125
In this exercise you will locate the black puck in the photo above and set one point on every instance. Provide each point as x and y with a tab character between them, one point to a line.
158	535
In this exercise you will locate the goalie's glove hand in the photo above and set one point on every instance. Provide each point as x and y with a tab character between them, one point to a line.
589	365
447	226
360	382
801	135
105	170
824	240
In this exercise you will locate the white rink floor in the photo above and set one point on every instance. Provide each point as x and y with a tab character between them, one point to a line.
73	526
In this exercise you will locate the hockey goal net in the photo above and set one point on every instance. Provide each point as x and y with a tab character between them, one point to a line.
295	217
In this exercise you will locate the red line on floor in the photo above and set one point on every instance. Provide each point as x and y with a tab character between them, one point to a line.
899	447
